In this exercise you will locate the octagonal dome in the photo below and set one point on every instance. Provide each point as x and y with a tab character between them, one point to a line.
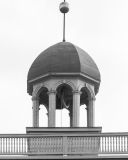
63	58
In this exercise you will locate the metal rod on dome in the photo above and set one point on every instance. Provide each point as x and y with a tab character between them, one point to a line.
64	29
64	8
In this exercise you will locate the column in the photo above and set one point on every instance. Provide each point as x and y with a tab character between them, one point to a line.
35	111
90	112
52	109
76	108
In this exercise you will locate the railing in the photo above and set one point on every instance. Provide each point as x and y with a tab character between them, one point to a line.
64	144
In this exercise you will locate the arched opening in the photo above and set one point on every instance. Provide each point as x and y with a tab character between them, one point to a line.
83	107
43	116
64	102
43	107
83	116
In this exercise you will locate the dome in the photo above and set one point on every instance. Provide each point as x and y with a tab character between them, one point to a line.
63	58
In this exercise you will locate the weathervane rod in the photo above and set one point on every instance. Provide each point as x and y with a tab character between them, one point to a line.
64	8
64	29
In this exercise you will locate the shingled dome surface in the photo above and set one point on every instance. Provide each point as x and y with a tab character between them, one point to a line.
63	57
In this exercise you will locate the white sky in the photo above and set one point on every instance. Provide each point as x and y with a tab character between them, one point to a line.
27	27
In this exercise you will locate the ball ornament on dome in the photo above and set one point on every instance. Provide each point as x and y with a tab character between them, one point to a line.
64	7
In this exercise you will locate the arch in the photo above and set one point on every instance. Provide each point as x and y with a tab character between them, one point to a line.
38	89
92	95
64	82
88	90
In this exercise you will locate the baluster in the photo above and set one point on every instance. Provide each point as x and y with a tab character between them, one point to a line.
40	144
57	144
3	146
19	146
87	144
54	143
105	144
90	144
113	145
14	145
61	144
77	144
99	143
59	139
116	144
0	145
48	140
125	143
47	144
72	144
108	144
22	145
44	144
37	144
83	144
102	144
8	145
121	143
51	139
58	149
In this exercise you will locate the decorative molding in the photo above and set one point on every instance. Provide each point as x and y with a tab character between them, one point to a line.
91	99
64	82
91	91
52	92
35	93
65	74
35	99
76	92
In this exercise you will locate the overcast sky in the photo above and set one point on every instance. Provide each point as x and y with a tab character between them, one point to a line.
27	27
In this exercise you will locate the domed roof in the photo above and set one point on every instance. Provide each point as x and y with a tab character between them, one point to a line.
63	57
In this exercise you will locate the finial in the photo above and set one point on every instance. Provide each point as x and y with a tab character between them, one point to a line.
64	8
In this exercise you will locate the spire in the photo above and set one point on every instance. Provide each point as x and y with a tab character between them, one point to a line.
64	8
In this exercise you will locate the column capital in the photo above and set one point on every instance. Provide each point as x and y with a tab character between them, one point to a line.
35	98
91	99
52	92
76	92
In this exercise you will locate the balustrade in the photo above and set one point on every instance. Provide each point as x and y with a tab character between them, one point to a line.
69	144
